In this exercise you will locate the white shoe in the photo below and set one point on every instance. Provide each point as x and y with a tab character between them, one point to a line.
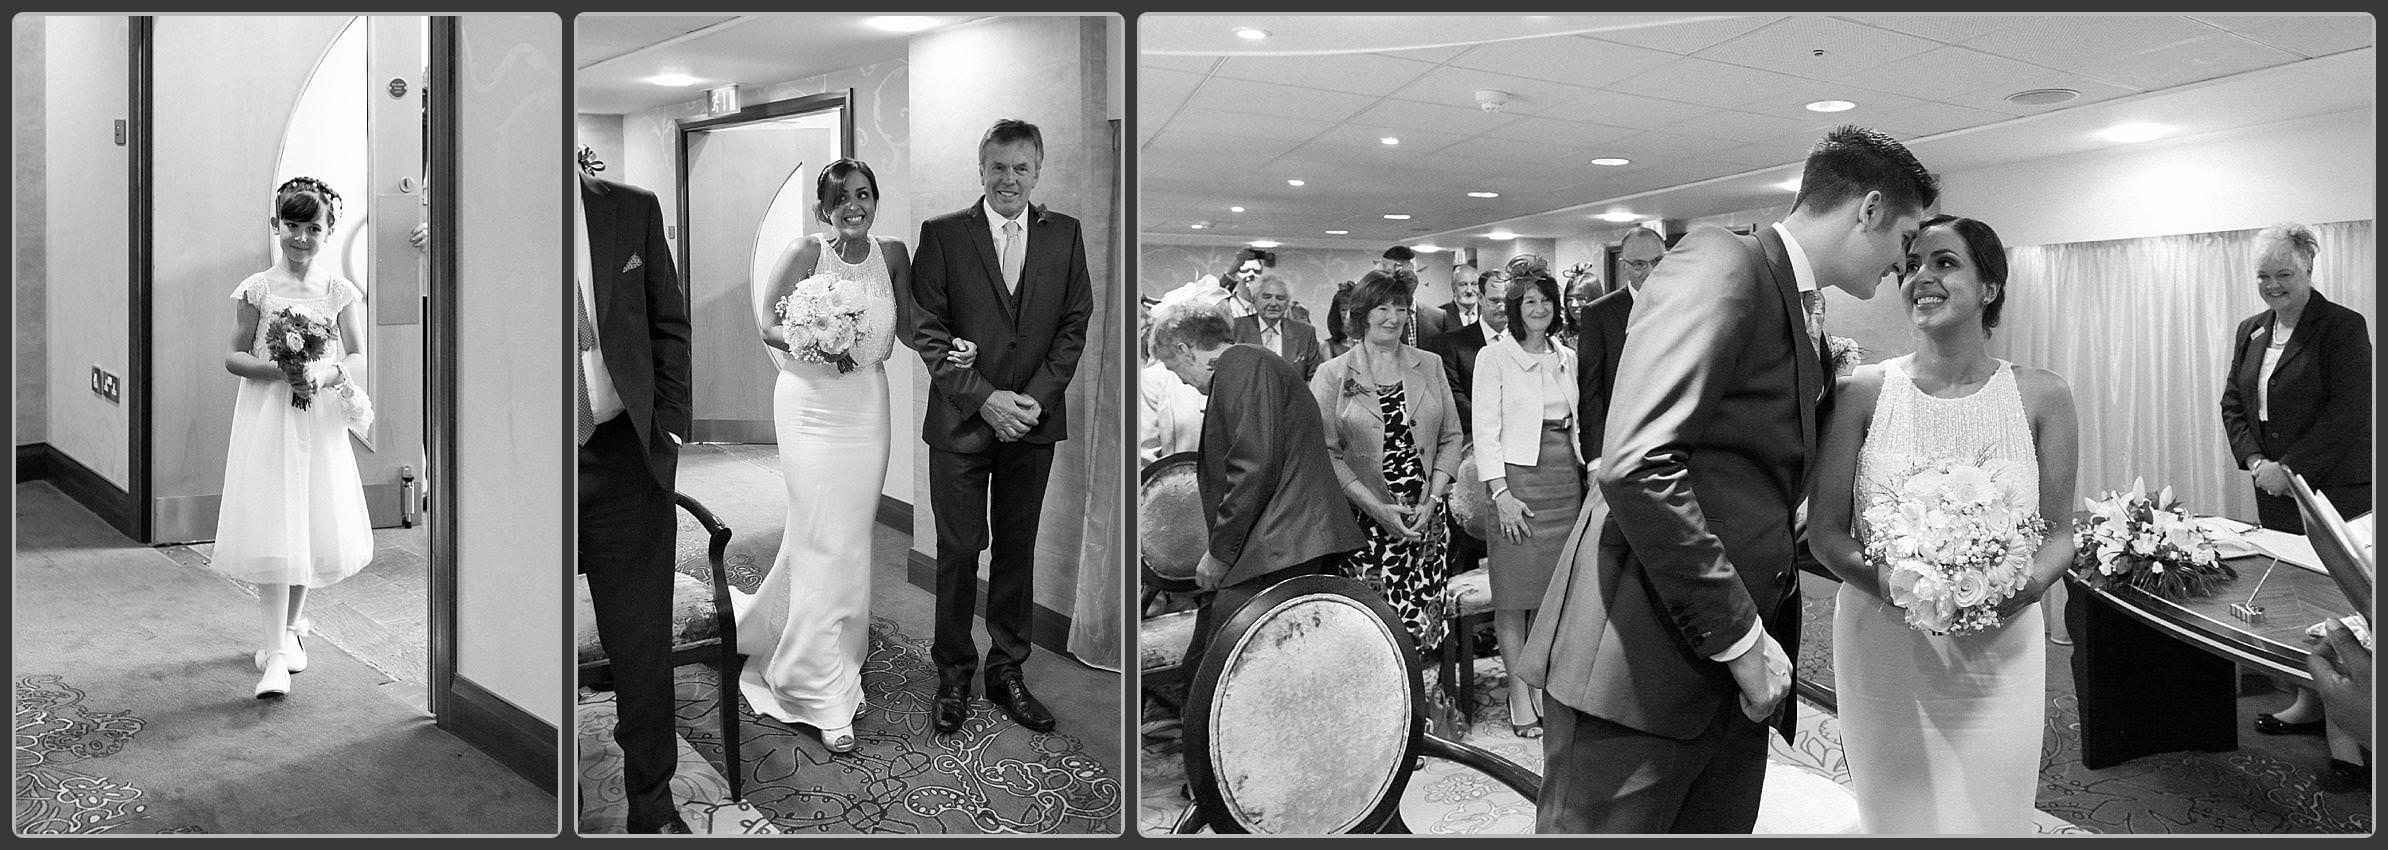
294	650
839	740
276	681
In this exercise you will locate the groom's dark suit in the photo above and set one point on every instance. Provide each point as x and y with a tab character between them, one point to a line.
626	478
1028	342
1707	458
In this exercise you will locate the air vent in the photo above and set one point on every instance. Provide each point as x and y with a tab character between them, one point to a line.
2042	97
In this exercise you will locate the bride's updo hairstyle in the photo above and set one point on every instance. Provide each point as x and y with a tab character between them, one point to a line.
833	178
300	198
1988	255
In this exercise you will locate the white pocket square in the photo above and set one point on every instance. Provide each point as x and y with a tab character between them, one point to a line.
635	262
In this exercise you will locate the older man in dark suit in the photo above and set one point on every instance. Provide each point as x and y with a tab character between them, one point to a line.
1010	276
1272	329
1600	333
1269	491
631	406
1665	639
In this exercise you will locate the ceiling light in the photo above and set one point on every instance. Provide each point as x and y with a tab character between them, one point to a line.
1484	194
1500	236
1295	182
673	79
1611	161
1235	209
1388	140
1618	216
1427	248
1251	33
1264	243
1832	106
1791	185
1339	233
1397	216
901	23
1200	225
2134	132
2042	97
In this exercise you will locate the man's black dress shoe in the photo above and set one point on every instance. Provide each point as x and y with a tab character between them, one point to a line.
1011	693
953	706
2270	725
672	826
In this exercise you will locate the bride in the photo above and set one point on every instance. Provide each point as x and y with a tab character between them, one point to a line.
807	627
1943	732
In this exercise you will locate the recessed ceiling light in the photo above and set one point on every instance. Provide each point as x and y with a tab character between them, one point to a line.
1264	243
1484	194
1832	106
1339	233
1251	33
1611	161
1235	209
1295	182
1200	225
1397	216
1388	140
1427	248
1618	216
1500	236
2042	97
673	79
901	23
2134	132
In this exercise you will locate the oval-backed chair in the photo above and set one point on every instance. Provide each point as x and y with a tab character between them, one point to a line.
703	631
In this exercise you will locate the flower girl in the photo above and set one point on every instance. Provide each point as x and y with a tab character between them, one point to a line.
293	514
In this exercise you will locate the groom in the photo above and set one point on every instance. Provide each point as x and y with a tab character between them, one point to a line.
631	396
1010	276
1666	635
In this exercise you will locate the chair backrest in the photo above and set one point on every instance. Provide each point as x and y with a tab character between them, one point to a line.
1303	717
1171	529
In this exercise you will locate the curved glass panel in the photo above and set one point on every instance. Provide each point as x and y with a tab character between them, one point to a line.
325	139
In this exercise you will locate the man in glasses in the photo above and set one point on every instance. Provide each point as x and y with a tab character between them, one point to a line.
1600	333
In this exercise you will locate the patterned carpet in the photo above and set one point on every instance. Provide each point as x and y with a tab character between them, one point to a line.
59	742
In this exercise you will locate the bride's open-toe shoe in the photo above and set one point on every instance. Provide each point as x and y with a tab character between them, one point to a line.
840	740
276	681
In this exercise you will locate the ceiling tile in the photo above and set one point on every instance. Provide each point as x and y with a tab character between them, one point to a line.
1943	28
1566	59
2068	42
1272	99
2305	35
1436	55
1661	146
1789	46
1758	156
1366	138
1254	126
1793	102
1364	73
1935	73
1550	131
1686	37
1244	148
1705	82
1165	88
1190	64
1618	109
1410	113
1925	119
2198	59
1456	87
1795	132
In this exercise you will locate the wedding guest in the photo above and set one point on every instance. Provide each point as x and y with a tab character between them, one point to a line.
1171	411
1457	313
1402	261
293	515
1339	339
1394	436
1527	455
1268	492
1601	336
1240	281
1459	350
1270	329
2298	402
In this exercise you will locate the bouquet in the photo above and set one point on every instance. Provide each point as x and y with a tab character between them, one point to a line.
293	339
2131	540
1956	540
822	316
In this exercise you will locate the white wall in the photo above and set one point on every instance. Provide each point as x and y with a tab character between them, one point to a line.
88	284
512	483
28	242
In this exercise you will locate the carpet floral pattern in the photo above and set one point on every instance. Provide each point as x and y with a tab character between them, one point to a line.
57	737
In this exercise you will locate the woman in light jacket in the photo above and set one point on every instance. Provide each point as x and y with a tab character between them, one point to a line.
1527	453
1394	435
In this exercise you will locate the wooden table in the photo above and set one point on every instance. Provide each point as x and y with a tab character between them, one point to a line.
2157	675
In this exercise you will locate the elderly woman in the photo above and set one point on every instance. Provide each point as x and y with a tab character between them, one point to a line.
1526	447
2298	402
1393	432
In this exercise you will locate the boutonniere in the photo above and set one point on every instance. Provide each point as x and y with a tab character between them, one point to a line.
634	263
1352	386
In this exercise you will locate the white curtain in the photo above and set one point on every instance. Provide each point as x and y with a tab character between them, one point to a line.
2141	330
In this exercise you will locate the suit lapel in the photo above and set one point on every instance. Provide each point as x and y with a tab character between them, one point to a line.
1806	365
992	261
2308	326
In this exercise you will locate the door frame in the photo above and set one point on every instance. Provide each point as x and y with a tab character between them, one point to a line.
139	37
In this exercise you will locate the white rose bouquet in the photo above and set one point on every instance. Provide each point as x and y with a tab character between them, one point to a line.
1955	540
822	316
2154	545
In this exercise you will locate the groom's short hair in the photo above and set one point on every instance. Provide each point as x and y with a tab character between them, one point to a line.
1197	326
1011	130
1852	161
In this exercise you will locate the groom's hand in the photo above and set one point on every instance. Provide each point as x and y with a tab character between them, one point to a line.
1764	674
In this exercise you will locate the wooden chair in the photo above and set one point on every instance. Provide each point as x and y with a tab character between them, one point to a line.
1305	717
703	631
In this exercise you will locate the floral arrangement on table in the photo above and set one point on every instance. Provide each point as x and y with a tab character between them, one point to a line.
1955	541
822	316
293	339
2153	544
1845	353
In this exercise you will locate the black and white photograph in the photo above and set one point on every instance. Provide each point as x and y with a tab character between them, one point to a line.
286	561
850	423
1777	424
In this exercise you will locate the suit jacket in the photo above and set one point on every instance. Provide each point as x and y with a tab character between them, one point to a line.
641	316
1355	425
1458	349
1508	409
1300	341
1268	488
1691	539
2320	424
1028	342
1600	338
1447	320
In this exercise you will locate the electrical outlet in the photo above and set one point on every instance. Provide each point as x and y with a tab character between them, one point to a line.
112	387
96	375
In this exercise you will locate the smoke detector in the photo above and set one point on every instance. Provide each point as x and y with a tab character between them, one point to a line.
1491	100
